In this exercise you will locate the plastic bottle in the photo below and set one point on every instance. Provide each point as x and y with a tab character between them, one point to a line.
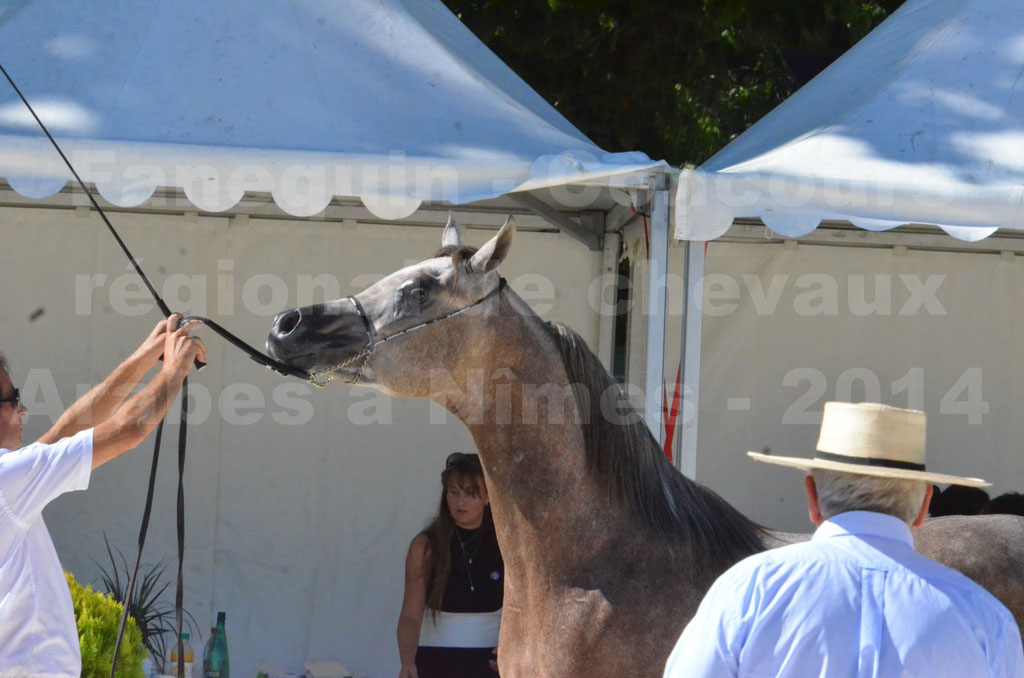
189	656
206	651
219	667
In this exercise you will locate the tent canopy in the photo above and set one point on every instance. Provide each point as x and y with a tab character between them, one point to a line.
392	101
921	122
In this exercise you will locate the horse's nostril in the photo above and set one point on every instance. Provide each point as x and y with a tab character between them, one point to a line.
287	322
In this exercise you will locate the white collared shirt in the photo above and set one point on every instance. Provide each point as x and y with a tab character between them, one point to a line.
38	635
855	601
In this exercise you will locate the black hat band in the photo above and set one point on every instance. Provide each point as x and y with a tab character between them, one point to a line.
869	461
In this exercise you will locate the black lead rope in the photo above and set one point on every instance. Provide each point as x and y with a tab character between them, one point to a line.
265	360
261	358
179	590
130	591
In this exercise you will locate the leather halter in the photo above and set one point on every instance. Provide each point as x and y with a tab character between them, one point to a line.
372	342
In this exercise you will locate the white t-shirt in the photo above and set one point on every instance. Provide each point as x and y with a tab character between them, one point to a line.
38	635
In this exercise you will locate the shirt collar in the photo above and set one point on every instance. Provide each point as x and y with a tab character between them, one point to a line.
865	524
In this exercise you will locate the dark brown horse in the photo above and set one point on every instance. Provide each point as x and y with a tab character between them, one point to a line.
608	548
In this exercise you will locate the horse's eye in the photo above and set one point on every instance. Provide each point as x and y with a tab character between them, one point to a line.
418	295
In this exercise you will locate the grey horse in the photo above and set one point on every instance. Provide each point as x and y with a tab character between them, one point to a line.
608	548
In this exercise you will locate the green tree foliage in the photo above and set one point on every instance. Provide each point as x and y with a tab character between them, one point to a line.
98	617
677	79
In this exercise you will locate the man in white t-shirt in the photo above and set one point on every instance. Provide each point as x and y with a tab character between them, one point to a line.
38	635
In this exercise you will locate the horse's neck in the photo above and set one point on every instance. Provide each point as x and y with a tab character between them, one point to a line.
524	422
520	408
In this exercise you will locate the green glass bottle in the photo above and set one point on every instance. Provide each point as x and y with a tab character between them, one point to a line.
217	666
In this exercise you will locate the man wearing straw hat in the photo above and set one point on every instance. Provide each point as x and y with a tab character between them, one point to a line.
856	600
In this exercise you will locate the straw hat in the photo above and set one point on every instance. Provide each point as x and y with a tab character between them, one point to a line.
873	440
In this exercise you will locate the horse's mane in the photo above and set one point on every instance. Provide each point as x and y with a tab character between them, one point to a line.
623	456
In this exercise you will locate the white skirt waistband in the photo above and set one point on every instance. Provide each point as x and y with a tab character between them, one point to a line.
460	629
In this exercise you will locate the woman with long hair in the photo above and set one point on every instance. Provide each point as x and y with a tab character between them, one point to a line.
454	579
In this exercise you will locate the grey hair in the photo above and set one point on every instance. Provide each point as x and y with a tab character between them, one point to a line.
839	492
3	363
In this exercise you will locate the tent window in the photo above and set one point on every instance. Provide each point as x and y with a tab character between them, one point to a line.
620	348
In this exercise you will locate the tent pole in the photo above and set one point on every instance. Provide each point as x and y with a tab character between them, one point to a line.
654	369
606	311
689	357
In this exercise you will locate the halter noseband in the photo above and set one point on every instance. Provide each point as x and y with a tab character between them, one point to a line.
324	377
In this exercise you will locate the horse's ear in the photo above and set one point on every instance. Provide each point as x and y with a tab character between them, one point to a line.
494	250
452	236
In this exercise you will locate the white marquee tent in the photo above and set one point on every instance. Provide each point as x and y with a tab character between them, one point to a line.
921	124
392	101
242	143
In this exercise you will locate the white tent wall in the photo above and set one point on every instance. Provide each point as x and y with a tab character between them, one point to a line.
787	326
298	521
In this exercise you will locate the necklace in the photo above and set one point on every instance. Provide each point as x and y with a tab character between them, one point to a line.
467	558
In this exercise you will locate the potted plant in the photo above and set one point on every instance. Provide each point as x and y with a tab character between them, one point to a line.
154	617
98	617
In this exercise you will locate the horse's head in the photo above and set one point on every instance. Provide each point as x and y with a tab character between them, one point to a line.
392	334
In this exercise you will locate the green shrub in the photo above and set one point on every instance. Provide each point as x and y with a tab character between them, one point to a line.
98	617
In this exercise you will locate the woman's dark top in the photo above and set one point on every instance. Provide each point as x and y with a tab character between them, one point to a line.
475	584
477	577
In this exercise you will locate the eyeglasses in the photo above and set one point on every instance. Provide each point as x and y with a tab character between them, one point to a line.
16	399
456	457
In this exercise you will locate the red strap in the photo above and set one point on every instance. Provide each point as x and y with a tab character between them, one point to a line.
671	415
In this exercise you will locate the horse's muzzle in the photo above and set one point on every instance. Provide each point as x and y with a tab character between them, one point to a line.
318	335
